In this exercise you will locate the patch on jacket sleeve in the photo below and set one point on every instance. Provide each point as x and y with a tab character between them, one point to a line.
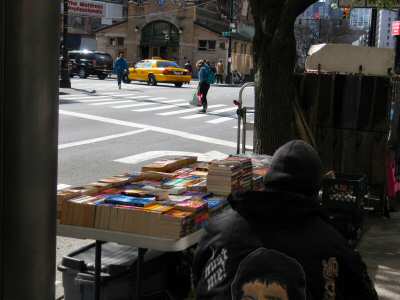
215	271
330	273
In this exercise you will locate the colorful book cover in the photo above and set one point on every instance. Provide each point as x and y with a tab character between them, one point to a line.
130	201
112	191
199	173
158	208
180	214
192	205
196	194
179	198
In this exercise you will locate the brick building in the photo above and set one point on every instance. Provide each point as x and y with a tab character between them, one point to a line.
180	30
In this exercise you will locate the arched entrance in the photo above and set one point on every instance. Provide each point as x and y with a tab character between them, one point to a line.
160	38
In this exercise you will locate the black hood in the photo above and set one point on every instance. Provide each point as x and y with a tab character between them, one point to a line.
297	168
274	207
292	186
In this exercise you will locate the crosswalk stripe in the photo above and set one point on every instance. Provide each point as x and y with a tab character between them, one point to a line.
164	107
86	96
184	111
158	98
129	105
151	99
83	98
111	102
94	100
197	116
174	101
143	104
220	120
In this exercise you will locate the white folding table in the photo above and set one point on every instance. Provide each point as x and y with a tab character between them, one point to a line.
143	243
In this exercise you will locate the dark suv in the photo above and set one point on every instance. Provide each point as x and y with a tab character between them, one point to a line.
85	63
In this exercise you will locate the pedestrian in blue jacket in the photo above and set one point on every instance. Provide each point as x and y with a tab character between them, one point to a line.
204	84
120	67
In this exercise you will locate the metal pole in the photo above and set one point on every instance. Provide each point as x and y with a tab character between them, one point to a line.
372	29
97	270
29	34
140	272
397	50
65	81
229	66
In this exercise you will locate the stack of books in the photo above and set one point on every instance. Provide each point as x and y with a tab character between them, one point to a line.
169	199
170	165
229	175
246	174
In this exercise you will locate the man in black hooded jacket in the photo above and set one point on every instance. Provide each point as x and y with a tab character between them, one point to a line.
286	217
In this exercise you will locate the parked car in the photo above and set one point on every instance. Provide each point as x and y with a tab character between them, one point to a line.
85	63
157	70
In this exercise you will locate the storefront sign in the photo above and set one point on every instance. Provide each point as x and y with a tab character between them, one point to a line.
396	28
363	3
86	8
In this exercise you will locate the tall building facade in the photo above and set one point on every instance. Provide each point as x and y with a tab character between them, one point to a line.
87	16
181	31
360	18
384	30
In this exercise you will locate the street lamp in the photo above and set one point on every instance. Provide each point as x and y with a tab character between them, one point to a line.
231	27
65	81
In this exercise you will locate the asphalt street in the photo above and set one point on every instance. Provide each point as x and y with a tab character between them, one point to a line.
104	131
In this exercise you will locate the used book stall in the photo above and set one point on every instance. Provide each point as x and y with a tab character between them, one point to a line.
164	207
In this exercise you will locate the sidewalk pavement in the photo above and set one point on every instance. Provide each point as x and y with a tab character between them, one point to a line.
380	249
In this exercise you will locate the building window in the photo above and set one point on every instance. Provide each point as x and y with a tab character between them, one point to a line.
207	45
120	41
112	42
203	45
222	46
212	45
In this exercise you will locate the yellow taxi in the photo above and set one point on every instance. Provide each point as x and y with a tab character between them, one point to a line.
157	70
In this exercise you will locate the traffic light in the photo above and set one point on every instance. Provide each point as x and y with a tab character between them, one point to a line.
346	12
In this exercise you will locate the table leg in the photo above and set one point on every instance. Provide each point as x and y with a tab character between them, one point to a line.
97	271
139	272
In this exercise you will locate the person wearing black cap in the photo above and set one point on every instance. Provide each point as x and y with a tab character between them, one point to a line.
268	274
287	218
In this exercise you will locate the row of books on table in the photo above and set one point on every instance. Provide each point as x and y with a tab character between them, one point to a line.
170	198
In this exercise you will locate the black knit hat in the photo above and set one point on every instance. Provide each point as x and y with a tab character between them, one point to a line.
295	167
275	270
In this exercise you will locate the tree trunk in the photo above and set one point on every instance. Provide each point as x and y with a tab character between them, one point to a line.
275	59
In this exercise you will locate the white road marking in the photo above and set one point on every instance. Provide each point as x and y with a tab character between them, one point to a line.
85	98
220	120
111	102
151	155
130	105
184	111
164	107
62	186
158	98
100	139
88	97
175	101
178	133
93	100
142	104
197	116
